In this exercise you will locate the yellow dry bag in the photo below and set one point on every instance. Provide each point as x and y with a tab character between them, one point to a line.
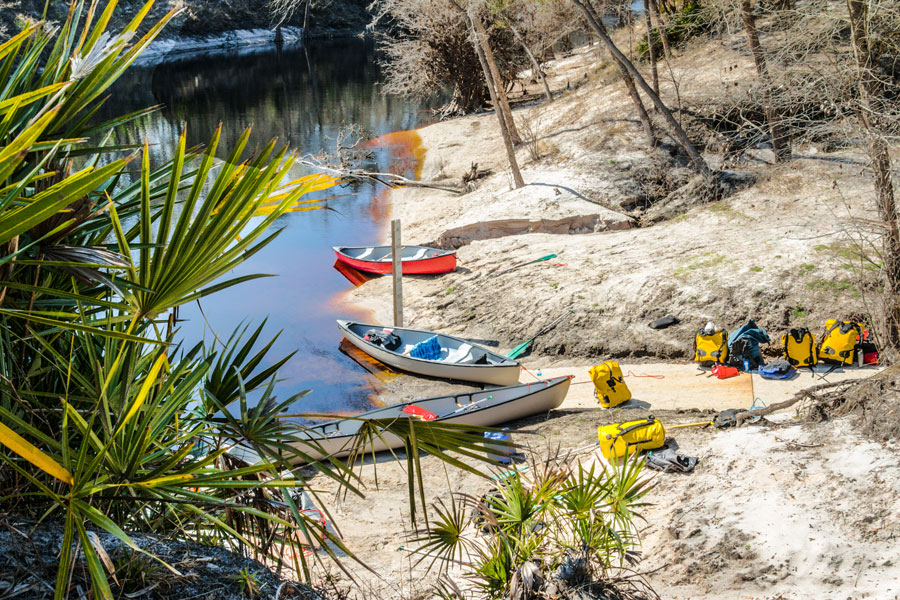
839	341
619	440
799	347
711	348
609	385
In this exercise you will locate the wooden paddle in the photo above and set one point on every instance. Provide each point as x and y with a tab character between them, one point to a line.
700	424
530	262
518	350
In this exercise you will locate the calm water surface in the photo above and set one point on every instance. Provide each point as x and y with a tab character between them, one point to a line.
302	97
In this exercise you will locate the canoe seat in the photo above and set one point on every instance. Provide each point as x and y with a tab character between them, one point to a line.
458	355
476	357
420	254
365	253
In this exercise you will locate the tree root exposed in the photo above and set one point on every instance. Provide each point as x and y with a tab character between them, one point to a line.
810	393
874	401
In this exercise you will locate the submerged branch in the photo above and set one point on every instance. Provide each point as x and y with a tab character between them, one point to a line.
391	180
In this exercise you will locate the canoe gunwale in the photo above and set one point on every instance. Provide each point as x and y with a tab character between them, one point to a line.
441	254
548	386
501	372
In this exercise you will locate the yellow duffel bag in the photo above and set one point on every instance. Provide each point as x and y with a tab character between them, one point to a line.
840	340
620	440
609	385
711	348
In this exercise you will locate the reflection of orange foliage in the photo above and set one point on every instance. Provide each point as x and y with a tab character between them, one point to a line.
407	152
407	158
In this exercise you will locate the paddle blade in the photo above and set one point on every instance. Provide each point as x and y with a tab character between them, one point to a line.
519	350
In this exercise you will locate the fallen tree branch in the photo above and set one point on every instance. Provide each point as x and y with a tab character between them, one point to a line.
391	180
802	394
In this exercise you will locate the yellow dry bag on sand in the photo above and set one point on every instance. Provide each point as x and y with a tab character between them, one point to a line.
840	340
609	385
711	348
620	440
799	347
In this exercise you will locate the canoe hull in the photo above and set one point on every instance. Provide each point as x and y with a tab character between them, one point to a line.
444	262
503	375
538	397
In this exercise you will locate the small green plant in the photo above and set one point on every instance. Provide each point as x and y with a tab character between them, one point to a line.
851	255
798	312
248	583
701	263
449	290
807	267
756	269
836	288
554	285
563	520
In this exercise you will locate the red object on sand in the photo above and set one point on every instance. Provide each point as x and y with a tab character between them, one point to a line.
724	372
414	259
425	415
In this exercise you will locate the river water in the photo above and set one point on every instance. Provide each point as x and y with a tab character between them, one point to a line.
303	97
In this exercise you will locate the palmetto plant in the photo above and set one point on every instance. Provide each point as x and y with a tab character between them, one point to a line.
105	422
569	521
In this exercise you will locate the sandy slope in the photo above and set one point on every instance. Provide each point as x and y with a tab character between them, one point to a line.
771	512
779	251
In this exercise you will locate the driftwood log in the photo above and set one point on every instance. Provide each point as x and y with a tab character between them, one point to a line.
810	393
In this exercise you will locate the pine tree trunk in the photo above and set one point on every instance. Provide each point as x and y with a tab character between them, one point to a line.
492	85
650	48
534	64
500	90
779	139
677	131
881	167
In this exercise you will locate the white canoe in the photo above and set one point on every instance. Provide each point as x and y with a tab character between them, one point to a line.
483	408
459	359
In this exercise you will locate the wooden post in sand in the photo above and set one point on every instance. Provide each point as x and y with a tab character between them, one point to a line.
397	269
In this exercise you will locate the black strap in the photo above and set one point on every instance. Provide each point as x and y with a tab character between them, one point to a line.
798	335
845	328
647	423
812	349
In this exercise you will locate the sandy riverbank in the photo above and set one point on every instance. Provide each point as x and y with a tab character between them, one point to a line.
786	511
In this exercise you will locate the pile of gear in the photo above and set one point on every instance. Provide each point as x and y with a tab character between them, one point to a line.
843	343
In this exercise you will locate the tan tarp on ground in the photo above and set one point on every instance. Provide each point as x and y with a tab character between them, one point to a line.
684	386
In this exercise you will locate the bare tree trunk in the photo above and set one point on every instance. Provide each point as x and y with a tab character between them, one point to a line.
491	84
534	64
779	138
650	48
661	25
306	19
503	104
881	167
638	104
679	133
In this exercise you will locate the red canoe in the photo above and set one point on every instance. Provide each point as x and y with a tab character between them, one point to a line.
415	259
